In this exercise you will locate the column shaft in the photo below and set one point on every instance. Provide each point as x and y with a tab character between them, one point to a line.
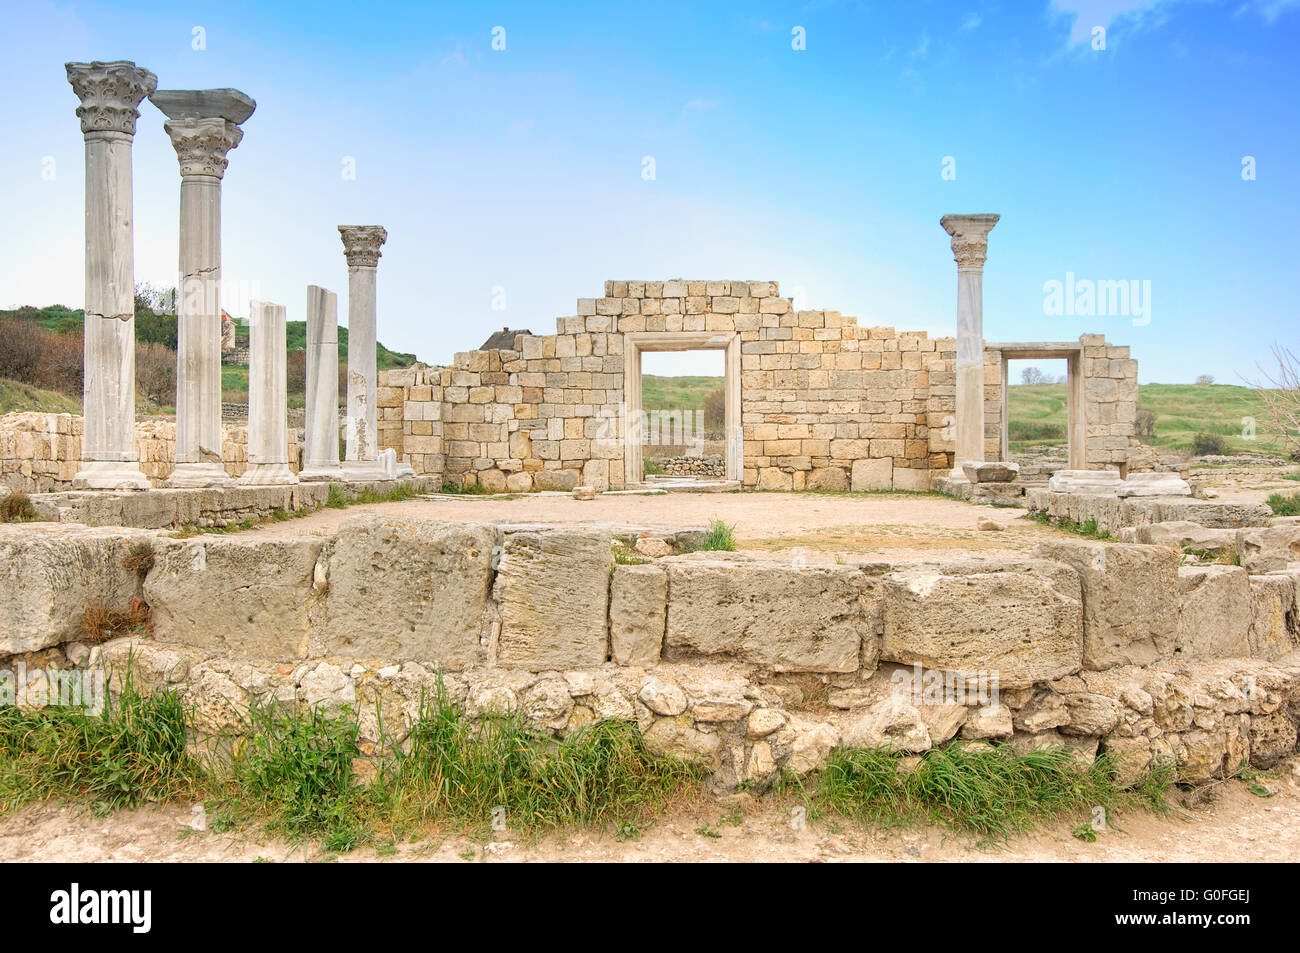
268	416
321	438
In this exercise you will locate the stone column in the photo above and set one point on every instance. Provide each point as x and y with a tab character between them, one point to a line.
321	434
970	242
109	93
361	248
203	126
268	411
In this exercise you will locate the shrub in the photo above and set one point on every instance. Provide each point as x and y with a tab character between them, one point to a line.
21	345
17	508
1284	505
1205	443
101	624
139	559
1145	425
715	410
155	373
60	364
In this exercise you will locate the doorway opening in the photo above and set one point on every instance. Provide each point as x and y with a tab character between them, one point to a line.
1042	408
682	398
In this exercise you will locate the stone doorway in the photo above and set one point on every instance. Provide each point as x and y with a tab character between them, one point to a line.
1076	426
634	421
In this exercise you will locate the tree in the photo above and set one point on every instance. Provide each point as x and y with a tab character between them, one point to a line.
1205	380
715	411
1280	394
1146	425
1032	375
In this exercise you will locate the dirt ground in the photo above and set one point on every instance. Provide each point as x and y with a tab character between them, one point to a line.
826	526
1229	823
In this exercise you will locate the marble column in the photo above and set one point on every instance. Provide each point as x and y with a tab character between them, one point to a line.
361	248
109	93
970	242
204	126
268	409
321	439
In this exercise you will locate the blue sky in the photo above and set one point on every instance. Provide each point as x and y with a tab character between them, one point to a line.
521	170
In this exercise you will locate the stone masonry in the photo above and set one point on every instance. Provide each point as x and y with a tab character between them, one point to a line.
824	402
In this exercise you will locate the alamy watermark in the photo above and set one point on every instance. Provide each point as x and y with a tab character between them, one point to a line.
52	687
935	687
1129	298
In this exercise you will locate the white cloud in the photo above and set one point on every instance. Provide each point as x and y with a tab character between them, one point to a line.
1094	13
972	21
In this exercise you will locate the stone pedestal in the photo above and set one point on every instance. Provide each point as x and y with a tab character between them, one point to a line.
1155	484
109	93
203	126
268	414
361	245
969	248
321	436
1085	481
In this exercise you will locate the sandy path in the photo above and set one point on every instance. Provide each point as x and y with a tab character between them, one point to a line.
830	525
1234	826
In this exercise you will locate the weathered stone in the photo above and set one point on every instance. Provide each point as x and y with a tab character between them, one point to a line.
679	738
1091	714
764	721
872	474
1085	481
810	744
717	700
553	591
555	479
240	597
548	703
1130	600
1216	612
1020	620
407	588
892	723
1273	625
653	547
50	576
662	697
1182	534
991	472
1270	548
1155	484
793	619
942	722
638	605
988	721
1272	738
584	493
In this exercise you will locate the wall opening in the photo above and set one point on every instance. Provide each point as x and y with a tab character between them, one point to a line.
1042	401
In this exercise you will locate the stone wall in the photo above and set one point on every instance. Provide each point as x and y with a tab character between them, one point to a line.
823	401
750	664
40	452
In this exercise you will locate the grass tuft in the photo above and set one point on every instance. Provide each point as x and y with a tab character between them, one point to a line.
990	792
1088	528
17	507
720	537
139	559
102	624
1284	505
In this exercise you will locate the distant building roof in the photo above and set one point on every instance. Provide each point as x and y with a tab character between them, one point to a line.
503	340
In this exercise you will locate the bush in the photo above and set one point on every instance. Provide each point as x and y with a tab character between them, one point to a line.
715	411
1205	443
1145	425
155	373
60	364
295	364
17	508
21	345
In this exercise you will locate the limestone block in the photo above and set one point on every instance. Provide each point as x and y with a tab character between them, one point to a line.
1155	484
638	606
50	575
1273	626
1215	612
1130	600
407	588
1021	620
1085	481
873	474
991	472
1186	534
234	596
1270	548
814	619
553	591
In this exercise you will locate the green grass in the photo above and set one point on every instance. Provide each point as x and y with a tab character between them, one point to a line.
1282	505
1181	411
720	537
15	396
134	752
1087	528
677	393
989	792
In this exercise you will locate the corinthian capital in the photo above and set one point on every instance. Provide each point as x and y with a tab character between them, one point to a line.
201	144
361	243
109	94
970	237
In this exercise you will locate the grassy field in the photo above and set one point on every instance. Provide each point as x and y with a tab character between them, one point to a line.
1182	410
677	393
18	396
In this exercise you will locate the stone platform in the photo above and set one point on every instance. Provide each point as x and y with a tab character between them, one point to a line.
170	508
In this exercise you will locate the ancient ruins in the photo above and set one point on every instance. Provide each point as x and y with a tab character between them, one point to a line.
755	662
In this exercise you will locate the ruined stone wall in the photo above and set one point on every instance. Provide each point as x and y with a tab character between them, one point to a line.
824	402
40	453
750	664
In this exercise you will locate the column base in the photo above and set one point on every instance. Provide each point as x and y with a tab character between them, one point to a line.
268	474
110	475
330	473
363	471
200	476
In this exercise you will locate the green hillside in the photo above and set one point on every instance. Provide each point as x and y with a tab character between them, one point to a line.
1037	415
677	393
